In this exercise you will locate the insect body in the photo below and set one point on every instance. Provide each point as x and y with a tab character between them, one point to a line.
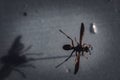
80	49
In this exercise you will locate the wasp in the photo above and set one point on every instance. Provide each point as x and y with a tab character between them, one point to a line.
15	59
80	49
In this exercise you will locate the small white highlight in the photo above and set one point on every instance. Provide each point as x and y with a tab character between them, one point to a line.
67	70
93	28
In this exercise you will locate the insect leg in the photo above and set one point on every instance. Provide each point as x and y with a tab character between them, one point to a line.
65	59
67	37
22	73
23	52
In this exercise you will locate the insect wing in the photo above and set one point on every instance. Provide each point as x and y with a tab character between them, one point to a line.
17	46
77	61
81	33
65	34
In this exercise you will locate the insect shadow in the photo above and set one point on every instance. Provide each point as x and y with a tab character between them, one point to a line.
16	59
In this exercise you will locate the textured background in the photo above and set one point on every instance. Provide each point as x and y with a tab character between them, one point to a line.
40	28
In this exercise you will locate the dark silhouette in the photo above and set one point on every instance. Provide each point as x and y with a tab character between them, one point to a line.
80	49
15	59
24	13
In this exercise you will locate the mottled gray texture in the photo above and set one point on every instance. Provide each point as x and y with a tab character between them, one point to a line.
40	28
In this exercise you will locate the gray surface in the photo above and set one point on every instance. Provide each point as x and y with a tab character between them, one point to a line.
40	28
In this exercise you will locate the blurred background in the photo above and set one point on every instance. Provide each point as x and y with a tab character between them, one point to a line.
39	21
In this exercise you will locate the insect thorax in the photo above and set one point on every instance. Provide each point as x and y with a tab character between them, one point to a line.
78	48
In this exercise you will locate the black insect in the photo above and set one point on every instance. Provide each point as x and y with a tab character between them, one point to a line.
15	59
80	49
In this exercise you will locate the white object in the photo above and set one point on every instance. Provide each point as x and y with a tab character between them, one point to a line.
93	28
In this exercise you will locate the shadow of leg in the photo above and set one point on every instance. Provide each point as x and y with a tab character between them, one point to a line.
22	73
27	65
